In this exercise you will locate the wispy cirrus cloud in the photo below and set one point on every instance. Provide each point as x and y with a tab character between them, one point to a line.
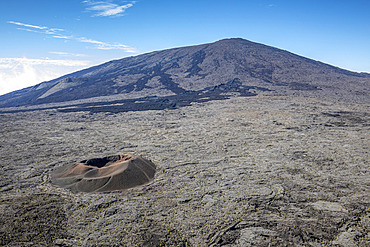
107	8
107	46
67	54
59	33
62	37
35	28
27	25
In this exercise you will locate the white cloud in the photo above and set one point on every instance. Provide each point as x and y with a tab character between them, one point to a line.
30	61
66	54
18	73
62	37
106	46
27	25
85	40
105	8
57	33
29	30
35	28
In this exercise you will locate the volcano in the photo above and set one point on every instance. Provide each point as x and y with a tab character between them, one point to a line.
172	77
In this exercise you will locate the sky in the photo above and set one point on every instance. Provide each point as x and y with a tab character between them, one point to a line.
41	40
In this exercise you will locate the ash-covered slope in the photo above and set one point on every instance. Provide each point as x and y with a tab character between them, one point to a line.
192	69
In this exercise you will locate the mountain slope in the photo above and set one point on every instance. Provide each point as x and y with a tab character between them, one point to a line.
182	70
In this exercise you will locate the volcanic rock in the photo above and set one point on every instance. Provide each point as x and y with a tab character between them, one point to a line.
286	167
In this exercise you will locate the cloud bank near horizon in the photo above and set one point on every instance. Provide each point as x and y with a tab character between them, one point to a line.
19	73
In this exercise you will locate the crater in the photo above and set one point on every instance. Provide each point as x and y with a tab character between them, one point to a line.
111	173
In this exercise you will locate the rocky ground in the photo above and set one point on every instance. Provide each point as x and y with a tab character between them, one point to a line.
246	171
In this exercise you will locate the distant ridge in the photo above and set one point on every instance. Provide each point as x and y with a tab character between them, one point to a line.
229	66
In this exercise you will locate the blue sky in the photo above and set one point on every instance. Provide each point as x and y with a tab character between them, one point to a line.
43	39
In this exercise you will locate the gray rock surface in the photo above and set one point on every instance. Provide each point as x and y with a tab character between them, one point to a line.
247	171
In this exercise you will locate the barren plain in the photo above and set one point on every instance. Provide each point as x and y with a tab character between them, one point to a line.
246	171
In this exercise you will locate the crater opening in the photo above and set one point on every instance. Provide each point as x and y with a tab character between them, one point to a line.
106	161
